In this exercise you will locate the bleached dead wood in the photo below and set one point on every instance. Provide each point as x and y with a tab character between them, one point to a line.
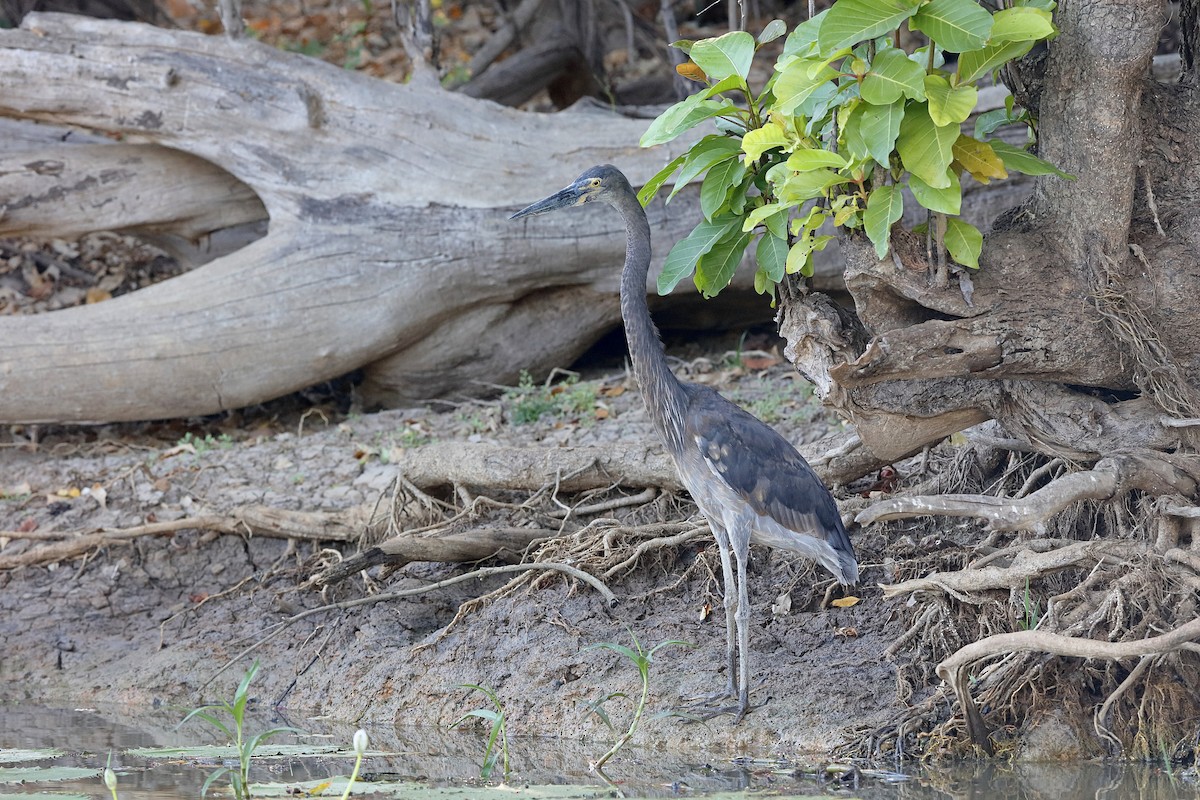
388	232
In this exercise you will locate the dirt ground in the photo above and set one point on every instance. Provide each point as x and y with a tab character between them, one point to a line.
153	619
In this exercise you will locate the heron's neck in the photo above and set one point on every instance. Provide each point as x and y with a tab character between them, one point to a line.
661	390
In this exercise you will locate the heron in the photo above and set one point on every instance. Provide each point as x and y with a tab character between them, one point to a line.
747	479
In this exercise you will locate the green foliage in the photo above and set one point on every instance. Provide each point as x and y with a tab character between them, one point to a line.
234	729
497	741
1031	616
642	659
201	445
845	122
528	402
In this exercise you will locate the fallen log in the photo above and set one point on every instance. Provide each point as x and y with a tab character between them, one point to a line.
388	241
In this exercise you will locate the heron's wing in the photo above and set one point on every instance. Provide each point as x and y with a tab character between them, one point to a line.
763	468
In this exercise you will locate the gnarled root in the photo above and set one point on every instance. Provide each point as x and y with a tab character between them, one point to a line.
1153	473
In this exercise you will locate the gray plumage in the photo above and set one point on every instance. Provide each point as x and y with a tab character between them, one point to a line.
750	482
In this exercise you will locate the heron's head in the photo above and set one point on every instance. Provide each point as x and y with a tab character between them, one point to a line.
604	182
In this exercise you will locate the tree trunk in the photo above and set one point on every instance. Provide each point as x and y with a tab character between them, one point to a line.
1078	334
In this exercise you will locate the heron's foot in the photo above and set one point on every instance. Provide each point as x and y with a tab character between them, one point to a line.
704	711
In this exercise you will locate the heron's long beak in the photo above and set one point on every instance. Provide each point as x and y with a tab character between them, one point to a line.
561	199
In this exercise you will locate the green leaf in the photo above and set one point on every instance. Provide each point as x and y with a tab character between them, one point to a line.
800	255
808	185
947	200
893	75
682	260
815	107
987	122
964	241
771	256
714	192
772	215
849	22
724	56
799	80
716	267
690	112
703	155
949	105
802	41
879	128
650	189
1022	24
885	206
805	159
926	149
956	25
975	64
760	140
774	29
1018	160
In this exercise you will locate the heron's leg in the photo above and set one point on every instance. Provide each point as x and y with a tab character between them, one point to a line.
740	542
730	587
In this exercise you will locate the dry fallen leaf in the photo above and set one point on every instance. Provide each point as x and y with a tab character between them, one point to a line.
844	602
96	295
99	494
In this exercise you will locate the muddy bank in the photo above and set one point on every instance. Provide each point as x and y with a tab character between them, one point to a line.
151	619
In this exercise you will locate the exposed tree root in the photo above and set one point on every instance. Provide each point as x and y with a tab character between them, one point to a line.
1027	564
1154	473
1091	619
954	669
345	526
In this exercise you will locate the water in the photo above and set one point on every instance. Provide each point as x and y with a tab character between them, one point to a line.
437	763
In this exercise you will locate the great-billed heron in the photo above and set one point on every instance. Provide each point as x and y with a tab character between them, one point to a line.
746	478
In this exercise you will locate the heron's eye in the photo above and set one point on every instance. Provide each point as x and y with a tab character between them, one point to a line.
594	183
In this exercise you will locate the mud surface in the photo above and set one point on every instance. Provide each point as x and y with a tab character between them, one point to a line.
151	620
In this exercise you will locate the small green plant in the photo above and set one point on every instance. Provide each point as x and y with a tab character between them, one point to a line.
1031	615
360	749
642	659
234	729
412	436
201	445
110	777
529	402
846	121
496	747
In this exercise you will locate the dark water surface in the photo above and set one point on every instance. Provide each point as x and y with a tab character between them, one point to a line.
446	764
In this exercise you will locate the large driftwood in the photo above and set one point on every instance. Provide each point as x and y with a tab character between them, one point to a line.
388	228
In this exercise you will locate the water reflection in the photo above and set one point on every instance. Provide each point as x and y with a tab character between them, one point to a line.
451	758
